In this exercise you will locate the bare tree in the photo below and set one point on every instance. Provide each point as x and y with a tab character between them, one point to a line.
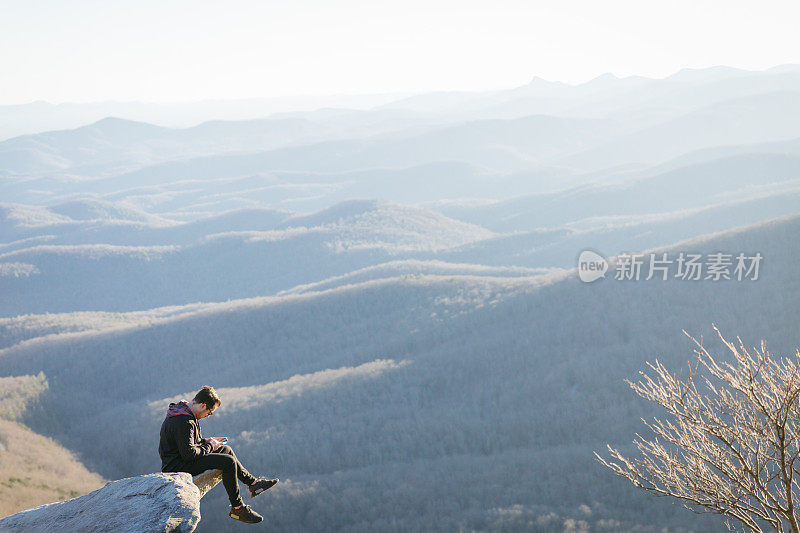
731	449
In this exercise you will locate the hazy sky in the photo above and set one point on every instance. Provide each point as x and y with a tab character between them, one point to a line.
163	50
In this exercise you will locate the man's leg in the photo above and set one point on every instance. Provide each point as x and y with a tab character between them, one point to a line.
219	461
257	485
244	476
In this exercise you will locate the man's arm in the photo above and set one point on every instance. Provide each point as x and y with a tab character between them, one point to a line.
185	439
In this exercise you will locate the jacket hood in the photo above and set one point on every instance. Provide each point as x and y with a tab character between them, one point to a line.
180	408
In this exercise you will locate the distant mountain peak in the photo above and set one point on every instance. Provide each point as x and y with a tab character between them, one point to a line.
116	126
380	223
607	78
706	74
786	67
341	210
536	80
114	122
97	209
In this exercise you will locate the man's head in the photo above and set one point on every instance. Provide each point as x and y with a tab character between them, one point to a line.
205	402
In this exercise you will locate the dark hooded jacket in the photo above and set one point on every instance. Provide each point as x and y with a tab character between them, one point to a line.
181	440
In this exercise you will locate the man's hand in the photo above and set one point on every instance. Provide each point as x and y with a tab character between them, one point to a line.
216	442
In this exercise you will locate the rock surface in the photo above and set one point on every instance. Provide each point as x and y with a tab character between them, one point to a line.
168	502
207	481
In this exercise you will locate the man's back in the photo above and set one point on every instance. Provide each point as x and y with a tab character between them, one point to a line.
180	439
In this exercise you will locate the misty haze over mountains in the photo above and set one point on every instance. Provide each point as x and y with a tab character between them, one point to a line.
385	296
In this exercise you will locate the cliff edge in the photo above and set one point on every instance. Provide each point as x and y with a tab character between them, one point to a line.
168	502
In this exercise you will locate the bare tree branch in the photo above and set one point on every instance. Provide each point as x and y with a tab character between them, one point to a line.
730	445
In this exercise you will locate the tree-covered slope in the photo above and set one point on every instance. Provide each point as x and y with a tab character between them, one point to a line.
418	403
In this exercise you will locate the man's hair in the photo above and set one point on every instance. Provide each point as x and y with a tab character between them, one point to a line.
208	396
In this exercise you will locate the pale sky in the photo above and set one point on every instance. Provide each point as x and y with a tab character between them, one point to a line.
188	50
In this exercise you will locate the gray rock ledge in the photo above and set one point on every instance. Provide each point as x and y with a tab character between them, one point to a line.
154	502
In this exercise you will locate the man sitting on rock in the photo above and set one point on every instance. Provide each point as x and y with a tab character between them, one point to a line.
183	449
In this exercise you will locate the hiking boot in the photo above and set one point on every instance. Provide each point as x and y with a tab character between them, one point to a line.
260	485
245	514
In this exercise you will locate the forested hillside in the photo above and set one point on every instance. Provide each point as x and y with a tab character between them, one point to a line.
402	392
34	469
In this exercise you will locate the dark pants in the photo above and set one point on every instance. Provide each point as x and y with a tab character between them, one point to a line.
222	459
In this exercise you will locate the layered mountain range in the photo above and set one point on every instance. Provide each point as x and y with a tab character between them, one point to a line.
387	299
